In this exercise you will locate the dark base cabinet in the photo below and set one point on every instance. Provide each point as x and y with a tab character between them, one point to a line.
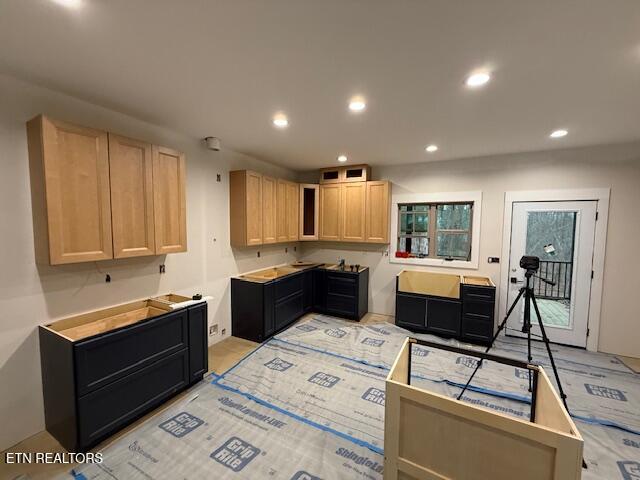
260	309
96	385
469	318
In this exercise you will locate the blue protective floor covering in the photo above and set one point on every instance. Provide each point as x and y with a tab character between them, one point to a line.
309	404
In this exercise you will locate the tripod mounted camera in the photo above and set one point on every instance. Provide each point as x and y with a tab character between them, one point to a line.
531	266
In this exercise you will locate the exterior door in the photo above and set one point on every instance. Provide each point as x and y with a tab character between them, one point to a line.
562	235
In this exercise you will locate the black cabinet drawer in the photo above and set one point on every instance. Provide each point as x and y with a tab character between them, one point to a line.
104	410
476	329
478	309
102	360
411	310
341	284
443	316
288	311
288	286
474	293
341	304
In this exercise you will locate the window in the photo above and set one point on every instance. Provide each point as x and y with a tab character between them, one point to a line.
435	230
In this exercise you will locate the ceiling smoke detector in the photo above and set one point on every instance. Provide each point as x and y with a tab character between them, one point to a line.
213	143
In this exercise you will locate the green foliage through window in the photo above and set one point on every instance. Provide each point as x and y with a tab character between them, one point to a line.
438	230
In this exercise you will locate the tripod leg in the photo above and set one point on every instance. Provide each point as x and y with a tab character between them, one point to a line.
495	336
545	339
526	327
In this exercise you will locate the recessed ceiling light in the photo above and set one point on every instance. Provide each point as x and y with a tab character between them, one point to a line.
432	148
69	3
559	133
478	79
342	158
280	120
357	104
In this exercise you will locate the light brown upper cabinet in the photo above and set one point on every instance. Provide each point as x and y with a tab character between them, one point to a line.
330	210
282	232
132	216
245	208
69	167
377	212
351	173
352	213
293	200
97	196
269	205
309	209
169	199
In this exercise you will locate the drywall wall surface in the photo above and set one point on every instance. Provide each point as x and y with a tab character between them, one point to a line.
615	166
31	295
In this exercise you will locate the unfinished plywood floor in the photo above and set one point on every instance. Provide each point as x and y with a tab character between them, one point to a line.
222	356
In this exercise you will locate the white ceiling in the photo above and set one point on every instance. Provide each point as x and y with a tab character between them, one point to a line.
223	68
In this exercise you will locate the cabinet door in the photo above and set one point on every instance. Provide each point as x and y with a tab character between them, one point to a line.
70	188
169	200
253	205
411	310
377	212
282	232
330	212
131	174
269	206
353	211
198	352
293	199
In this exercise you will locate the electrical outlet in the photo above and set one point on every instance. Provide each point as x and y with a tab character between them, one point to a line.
163	269
213	330
258	253
224	331
286	250
218	178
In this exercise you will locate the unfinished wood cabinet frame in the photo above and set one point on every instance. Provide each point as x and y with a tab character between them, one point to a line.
64	160
132	213
245	208
170	201
431	436
293	200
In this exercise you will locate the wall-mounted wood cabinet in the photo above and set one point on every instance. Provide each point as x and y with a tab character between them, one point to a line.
97	196
377	212
355	212
351	173
245	208
262	209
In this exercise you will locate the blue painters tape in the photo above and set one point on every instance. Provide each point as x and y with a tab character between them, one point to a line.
264	403
605	423
77	475
337	355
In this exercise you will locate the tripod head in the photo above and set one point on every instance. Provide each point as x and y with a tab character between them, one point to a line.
532	264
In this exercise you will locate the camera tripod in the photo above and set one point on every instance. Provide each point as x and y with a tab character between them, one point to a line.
529	297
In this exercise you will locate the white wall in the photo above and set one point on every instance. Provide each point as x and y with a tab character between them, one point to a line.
617	167
31	295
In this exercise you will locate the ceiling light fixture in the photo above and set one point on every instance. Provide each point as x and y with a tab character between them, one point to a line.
559	133
478	79
357	104
342	158
280	120
69	3
432	148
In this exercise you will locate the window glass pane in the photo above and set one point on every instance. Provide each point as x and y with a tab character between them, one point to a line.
454	245
406	223
454	217
421	222
420	208
420	246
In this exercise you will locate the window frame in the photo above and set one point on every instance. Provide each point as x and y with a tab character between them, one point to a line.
433	199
